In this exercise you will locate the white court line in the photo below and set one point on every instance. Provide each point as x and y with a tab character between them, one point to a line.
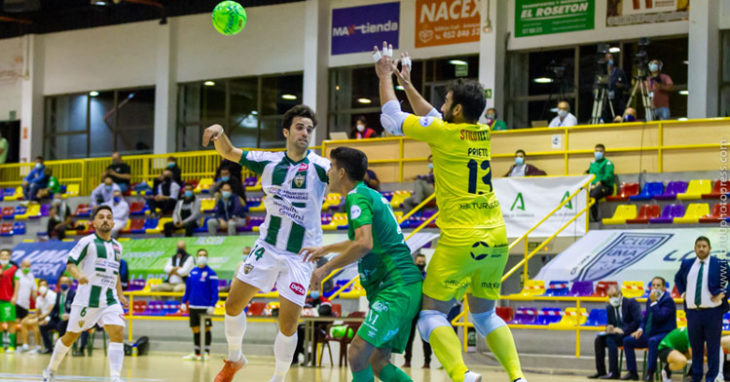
8	377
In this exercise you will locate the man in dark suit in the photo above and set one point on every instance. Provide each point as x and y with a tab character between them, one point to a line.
703	283
660	319
59	314
624	317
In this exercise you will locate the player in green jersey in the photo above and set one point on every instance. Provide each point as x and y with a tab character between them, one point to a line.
391	279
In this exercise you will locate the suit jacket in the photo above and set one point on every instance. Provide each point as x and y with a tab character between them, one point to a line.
530	170
56	312
663	316
717	280
630	313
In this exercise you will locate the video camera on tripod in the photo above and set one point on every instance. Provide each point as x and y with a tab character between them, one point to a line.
641	70
601	94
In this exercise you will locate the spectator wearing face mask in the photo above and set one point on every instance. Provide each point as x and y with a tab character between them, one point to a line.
494	123
602	184
165	194
227	177
423	188
361	130
104	192
660	87
186	215
59	218
229	213
120	172
35	180
175	169
624	317
564	118
45	300
53	187
520	168
617	86
177	269
120	211
59	313
201	295
420	261
25	290
628	116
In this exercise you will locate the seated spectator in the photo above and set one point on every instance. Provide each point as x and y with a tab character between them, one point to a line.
177	268
165	194
371	180
229	213
520	168
186	214
624	317
45	301
602	184
201	295
59	218
59	313
104	192
361	129
628	116
422	189
564	118
35	180
120	172
120	211
176	171
235	169
494	123
53	187
226	177
660	319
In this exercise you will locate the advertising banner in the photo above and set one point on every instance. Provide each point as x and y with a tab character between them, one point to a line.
628	12
444	22
539	17
358	29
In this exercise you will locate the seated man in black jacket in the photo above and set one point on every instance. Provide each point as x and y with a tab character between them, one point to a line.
624	317
59	314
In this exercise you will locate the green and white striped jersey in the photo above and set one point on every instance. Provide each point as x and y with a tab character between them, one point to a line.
98	261
295	192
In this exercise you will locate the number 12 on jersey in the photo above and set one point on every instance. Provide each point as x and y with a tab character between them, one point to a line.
473	173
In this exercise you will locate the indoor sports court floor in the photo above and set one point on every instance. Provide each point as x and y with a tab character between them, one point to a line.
169	367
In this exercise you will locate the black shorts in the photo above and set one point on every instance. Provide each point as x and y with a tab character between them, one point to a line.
20	312
664	353
195	314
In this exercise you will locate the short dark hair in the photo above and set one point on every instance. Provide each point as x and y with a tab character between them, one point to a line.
303	111
202	250
354	161
705	239
361	118
470	95
188	184
601	146
495	111
420	255
172	159
43	281
39	157
103	178
664	282
8	250
520	151
226	184
101	208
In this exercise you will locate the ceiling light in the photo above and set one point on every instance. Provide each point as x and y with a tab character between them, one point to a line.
400	87
93	93
614	49
254	112
337	87
487	20
99	2
288	97
209	83
365	101
684	92
686	62
543	80
458	62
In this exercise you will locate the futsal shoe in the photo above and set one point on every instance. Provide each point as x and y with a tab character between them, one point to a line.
48	375
471	376
520	380
191	357
229	370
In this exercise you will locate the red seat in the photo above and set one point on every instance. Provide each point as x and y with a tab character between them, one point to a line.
139	307
8	212
136	208
646	212
256	308
134	225
719	212
717	189
506	313
82	210
602	288
626	190
337	310
675	292
193	182
6	229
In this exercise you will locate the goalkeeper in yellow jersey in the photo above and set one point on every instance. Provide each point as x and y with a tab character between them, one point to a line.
472	251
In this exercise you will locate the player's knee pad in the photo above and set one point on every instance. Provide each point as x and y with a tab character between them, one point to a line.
487	322
428	320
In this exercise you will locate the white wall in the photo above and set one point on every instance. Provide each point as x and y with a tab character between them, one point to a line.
724	15
10	87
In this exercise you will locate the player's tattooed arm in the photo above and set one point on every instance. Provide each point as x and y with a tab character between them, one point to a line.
223	145
76	273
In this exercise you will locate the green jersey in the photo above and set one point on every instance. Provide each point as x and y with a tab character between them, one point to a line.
677	339
389	262
603	170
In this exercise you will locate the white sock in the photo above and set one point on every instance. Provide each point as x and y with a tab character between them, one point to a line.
720	376
284	348
116	357
235	329
59	351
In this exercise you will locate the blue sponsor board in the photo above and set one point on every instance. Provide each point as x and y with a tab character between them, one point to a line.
358	29
48	259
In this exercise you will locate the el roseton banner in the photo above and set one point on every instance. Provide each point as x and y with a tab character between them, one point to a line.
444	22
538	17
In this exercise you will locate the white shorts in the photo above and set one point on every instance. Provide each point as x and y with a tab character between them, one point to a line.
83	318
264	267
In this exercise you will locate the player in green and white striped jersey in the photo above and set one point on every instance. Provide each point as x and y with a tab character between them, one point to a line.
94	262
295	184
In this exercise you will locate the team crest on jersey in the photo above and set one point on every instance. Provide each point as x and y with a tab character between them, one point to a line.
299	179
355	212
247	269
81	324
425	121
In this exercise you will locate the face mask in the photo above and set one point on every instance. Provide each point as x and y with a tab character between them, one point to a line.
421	267
107	187
614	301
562	113
360	128
653	67
629	118
180	251
26	270
56	202
4	262
42	290
314	294
430	166
202	260
188	194
225	178
519	161
491	116
64	287
610	62
226	194
171	165
38	165
117	199
598	155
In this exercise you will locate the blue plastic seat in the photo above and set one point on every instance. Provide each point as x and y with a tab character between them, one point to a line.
558	288
649	191
597	317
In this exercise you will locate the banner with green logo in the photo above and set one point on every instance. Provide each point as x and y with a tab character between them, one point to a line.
525	201
538	17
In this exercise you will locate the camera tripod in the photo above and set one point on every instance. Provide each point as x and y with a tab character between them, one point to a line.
600	99
641	85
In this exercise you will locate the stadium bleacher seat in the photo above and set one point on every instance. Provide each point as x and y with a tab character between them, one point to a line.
650	190
337	310
159	227
571	318
8	213
134	226
260	207
726	322
717	189
255	187
207	205
719	212
558	288
203	186
84	223
72	190
670	212
632	289
623	212
45	210
548	316
6	229
250	181
533	288
602	288
673	189
33	210
646	213
255	308
139	307
597	317
332	201
506	313
19	210
12	194
693	213
398	198
624	192
525	316
675	292
681	319
581	289
19	228
137	208
83	210
696	189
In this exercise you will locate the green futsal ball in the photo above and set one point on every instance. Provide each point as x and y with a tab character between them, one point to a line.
229	18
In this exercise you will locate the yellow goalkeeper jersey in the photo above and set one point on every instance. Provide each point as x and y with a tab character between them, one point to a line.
462	171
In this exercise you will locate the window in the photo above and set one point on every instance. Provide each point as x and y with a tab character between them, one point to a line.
250	109
96	124
725	75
